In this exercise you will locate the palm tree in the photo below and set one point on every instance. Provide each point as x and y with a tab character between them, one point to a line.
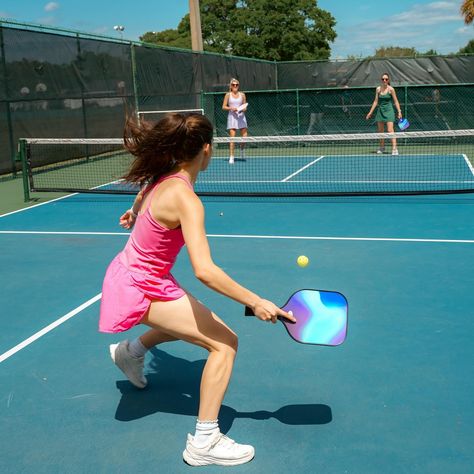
467	9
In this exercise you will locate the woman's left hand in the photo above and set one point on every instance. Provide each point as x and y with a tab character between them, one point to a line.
127	219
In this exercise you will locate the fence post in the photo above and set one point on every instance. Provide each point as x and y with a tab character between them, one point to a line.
83	102
298	112
22	156
276	74
7	103
134	77
405	111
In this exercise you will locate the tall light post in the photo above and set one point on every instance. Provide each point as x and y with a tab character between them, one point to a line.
195	21
120	29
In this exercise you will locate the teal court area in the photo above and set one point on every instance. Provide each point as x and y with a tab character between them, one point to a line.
395	397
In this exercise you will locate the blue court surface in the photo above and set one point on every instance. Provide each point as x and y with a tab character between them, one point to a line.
366	172
396	397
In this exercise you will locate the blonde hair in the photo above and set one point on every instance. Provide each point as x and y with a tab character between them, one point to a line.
231	81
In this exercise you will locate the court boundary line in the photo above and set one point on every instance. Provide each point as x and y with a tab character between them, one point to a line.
37	205
326	181
48	328
97	297
284	180
251	236
469	164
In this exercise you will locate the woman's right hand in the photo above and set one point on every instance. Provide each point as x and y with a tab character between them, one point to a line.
267	311
368	116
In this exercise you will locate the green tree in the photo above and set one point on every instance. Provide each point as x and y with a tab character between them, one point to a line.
179	38
394	52
398	52
468	49
430	52
281	30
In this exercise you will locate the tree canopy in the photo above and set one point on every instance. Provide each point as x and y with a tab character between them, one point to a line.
468	49
179	38
397	52
280	30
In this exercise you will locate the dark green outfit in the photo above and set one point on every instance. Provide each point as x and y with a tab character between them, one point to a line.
385	110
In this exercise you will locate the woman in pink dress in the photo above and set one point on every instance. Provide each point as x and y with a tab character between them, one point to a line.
139	289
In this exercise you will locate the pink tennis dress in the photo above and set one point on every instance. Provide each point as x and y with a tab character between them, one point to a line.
140	273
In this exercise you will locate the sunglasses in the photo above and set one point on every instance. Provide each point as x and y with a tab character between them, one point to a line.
384	78
235	85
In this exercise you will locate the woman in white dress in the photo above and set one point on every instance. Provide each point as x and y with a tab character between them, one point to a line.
236	119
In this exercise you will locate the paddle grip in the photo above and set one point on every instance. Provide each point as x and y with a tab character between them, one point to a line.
249	312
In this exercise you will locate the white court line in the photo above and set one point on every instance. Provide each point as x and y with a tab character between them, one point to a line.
250	236
369	239
469	164
346	181
88	303
302	169
48	328
37	205
53	232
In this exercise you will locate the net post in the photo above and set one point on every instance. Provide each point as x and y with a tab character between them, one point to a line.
22	156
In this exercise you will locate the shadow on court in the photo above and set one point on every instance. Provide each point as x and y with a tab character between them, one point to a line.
173	387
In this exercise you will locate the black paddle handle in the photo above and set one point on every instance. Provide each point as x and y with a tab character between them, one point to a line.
249	312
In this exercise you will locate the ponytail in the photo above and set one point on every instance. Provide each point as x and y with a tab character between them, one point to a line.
159	147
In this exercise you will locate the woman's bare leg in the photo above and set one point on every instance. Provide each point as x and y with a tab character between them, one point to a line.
153	337
243	133
231	144
380	130
189	320
390	130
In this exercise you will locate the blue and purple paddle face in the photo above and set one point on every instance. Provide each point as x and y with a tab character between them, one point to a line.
403	124
321	317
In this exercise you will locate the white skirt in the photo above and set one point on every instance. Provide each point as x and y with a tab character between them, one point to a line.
236	120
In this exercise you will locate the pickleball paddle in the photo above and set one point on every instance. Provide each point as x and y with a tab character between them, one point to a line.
403	124
321	317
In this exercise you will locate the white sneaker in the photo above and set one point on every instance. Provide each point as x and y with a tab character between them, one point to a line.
221	450
231	160
132	367
395	152
380	151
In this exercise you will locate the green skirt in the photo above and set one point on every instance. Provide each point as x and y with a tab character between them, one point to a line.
385	113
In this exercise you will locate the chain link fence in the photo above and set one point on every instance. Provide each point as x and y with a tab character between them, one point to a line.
344	110
62	83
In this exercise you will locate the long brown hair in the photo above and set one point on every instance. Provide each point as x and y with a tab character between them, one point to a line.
159	147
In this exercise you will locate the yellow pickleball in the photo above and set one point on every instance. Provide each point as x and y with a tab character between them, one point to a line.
302	261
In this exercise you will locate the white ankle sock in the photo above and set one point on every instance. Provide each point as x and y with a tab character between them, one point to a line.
204	429
136	348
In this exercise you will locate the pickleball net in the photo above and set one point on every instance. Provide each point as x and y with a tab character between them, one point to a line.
301	165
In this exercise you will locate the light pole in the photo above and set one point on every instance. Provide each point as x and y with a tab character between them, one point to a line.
120	29
195	23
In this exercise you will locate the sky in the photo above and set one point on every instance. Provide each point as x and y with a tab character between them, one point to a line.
362	26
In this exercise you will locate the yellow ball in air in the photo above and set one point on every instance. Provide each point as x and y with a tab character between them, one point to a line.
302	261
